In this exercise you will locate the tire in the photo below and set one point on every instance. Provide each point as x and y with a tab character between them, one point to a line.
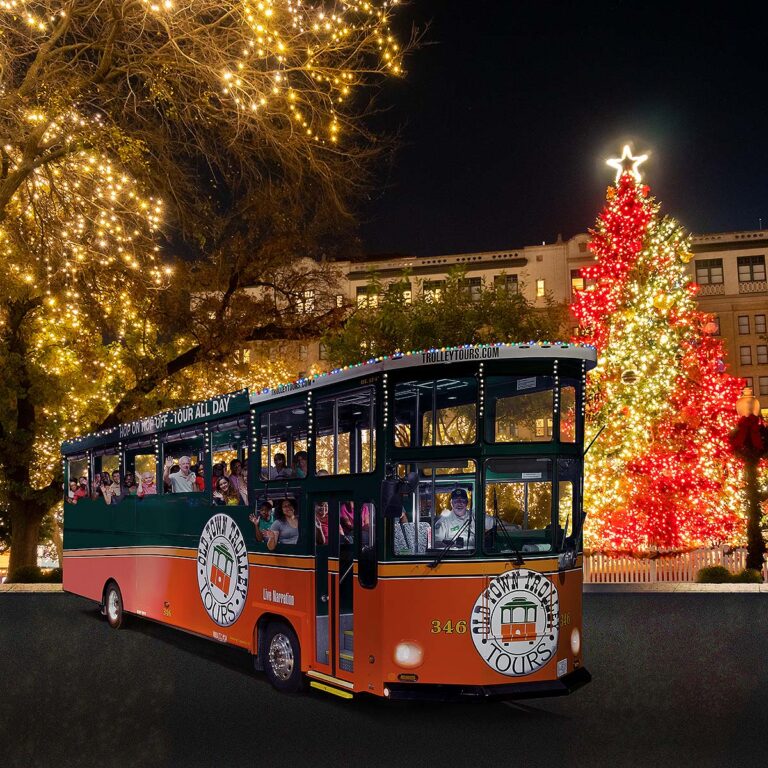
281	658
113	606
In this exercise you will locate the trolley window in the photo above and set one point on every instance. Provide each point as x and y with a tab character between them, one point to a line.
568	412
439	412
284	443
140	477
441	513
519	409
78	482
346	434
277	521
107	484
518	498
183	453
229	455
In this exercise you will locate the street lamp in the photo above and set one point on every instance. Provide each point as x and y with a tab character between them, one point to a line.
750	442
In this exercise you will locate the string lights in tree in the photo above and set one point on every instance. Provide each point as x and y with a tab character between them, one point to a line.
661	476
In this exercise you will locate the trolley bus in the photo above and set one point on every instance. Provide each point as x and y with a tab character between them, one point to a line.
409	527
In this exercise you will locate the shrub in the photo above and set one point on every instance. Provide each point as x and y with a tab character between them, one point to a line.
748	576
714	574
31	574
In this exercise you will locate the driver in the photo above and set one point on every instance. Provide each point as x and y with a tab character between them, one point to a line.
458	522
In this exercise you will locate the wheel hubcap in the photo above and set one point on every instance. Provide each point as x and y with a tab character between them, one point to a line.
113	605
281	656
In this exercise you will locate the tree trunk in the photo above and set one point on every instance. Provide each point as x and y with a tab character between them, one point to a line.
26	518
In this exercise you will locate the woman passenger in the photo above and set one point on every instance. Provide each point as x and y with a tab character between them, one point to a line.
237	478
199	472
300	464
106	489
147	487
226	493
285	529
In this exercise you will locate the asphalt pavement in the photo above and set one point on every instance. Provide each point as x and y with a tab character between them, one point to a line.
679	679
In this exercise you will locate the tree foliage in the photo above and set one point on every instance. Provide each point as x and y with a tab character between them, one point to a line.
662	474
394	318
161	166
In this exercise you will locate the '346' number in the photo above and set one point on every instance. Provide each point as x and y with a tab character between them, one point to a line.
449	627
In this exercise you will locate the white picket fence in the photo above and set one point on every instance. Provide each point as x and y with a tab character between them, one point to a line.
606	569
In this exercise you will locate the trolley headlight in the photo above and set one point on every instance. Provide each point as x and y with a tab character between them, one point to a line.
408	654
575	641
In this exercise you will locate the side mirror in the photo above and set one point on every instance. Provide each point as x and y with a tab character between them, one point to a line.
391	500
367	567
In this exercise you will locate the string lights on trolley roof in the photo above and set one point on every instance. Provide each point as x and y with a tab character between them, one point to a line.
399	355
394	357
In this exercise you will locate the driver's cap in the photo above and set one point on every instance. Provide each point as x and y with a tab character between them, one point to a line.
459	493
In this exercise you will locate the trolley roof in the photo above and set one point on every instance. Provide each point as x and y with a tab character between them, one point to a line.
235	403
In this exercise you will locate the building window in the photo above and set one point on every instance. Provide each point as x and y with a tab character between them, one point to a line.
577	281
763	385
540	291
322	352
367	297
748	382
759	323
751	268
745	355
474	287
583	247
762	354
404	287
709	271
507	283
303	351
743	324
433	289
716	321
339	300
307	302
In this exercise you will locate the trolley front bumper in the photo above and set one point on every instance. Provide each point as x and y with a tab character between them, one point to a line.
533	690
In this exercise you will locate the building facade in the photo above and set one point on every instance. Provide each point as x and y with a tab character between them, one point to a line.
730	269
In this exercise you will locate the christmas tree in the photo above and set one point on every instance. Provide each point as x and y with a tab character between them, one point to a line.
661	475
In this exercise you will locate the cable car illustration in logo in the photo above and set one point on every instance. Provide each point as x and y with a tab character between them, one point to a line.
518	621
222	569
515	622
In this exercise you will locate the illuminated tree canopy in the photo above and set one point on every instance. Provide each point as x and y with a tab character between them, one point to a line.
162	164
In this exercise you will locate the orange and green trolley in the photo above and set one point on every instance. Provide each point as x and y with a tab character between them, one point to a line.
409	527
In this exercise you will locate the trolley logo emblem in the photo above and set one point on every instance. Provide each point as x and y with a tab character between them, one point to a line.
515	622
222	569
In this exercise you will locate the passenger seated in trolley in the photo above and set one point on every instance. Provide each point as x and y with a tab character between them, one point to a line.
183	481
458	524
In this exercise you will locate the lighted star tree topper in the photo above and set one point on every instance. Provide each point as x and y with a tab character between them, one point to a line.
661	475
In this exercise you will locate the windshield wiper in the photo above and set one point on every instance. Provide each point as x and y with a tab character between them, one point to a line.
439	558
500	523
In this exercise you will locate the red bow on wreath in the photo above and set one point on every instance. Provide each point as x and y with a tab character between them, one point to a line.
750	438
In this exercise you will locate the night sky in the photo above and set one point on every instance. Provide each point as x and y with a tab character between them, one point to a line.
510	108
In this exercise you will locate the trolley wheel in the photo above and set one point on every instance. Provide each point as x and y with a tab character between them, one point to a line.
281	657
113	606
